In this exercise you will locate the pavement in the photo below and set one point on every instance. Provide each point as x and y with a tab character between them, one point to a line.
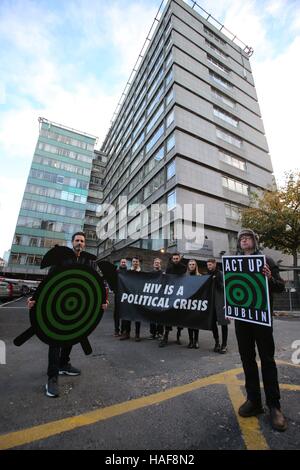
137	396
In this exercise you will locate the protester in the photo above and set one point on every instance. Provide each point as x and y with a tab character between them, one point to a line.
135	266
250	334
218	306
122	267
192	270
175	266
59	357
156	330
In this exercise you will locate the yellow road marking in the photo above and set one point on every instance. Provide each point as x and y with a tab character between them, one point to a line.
251	432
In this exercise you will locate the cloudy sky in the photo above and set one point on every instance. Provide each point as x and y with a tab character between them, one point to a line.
69	60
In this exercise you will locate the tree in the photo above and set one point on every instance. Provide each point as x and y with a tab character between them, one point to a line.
275	216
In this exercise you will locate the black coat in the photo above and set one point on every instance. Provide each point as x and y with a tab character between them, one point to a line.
217	287
179	268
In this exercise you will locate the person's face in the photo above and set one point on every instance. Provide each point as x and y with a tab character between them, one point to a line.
192	266
211	266
79	243
246	242
156	264
123	263
135	263
175	259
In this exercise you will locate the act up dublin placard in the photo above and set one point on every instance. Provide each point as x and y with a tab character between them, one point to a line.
246	289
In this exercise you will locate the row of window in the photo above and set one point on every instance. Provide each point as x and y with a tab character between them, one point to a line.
146	74
66	139
143	113
235	185
79	170
20	258
55	193
50	225
39	242
58	179
156	157
32	205
64	152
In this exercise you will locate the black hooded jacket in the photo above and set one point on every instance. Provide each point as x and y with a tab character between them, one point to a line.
173	268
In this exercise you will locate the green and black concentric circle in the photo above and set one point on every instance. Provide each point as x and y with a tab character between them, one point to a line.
68	305
246	290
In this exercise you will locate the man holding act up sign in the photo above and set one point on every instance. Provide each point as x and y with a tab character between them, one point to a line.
250	278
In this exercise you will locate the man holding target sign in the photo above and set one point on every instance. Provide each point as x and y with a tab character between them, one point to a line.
66	308
248	289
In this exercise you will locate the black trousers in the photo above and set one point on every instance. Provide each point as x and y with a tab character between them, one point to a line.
57	358
156	329
116	318
126	327
248	335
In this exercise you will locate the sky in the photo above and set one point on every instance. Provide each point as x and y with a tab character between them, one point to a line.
69	61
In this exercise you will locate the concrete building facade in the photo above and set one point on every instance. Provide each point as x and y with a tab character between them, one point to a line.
189	131
55	196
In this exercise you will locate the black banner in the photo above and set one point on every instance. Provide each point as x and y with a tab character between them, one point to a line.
167	299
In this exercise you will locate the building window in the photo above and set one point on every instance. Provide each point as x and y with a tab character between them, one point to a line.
234	185
154	184
171	200
169	97
169	77
220	96
170	142
232	212
230	138
232	160
220	80
218	64
171	170
154	118
219	113
213	35
152	162
170	118
154	138
138	142
216	50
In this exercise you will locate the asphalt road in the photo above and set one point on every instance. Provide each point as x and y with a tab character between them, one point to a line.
138	396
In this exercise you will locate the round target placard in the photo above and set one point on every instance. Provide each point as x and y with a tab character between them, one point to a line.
68	307
245	290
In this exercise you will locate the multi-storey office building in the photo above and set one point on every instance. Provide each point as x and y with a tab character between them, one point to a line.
94	200
189	132
55	197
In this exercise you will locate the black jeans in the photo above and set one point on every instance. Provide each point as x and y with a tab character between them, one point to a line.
249	334
57	358
216	333
126	327
116	318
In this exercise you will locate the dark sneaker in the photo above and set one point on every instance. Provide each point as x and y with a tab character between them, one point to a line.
52	388
278	421
151	337
190	345
68	369
137	339
196	345
217	348
249	409
223	349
